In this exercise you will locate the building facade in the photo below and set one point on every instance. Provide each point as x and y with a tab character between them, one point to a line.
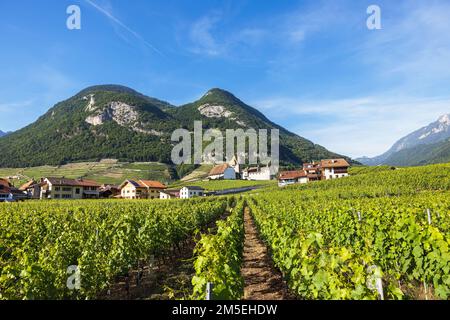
62	188
323	170
169	194
334	168
191	192
292	177
141	189
257	174
9	193
222	172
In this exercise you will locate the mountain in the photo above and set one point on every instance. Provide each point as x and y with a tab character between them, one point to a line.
430	144
2	133
111	121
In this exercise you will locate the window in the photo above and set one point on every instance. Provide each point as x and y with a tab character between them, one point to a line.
56	196
66	189
77	190
57	188
66	196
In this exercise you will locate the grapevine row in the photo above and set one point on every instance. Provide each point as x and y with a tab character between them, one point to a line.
219	258
104	239
329	248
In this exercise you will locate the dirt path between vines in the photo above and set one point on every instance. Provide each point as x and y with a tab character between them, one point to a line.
262	280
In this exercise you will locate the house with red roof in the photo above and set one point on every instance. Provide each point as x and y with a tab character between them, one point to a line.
286	178
314	171
141	189
222	172
334	168
9	193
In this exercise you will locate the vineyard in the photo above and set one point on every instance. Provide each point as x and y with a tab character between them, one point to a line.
333	239
39	241
380	234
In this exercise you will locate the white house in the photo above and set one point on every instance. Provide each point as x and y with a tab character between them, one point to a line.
257	173
334	168
292	177
222	172
169	194
191	192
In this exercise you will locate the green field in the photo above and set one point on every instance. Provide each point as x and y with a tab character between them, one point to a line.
355	170
216	185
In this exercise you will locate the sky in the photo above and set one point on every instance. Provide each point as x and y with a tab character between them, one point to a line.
311	66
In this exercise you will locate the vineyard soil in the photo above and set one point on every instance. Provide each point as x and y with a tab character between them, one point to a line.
262	281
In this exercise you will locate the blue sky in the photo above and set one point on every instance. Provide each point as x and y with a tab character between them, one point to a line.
311	66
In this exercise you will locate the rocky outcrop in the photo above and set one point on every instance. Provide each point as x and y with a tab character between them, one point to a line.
121	113
91	105
213	111
210	111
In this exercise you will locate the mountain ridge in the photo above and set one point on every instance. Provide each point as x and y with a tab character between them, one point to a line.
426	145
3	133
112	121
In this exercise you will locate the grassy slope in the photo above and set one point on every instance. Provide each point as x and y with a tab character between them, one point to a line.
102	172
199	173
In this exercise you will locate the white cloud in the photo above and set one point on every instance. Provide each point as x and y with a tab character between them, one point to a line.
206	37
202	37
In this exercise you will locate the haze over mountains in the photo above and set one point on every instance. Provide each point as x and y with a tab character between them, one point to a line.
3	133
430	144
111	121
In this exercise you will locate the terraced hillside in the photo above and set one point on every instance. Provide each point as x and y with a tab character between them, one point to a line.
109	171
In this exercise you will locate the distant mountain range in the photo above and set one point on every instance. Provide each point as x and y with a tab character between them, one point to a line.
110	121
2	134
430	144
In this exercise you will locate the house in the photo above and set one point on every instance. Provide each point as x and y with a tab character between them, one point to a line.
9	193
312	170
109	191
169	194
32	189
292	177
63	188
334	168
191	192
257	173
141	189
222	172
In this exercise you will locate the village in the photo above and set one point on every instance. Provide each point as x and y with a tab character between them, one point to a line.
60	188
